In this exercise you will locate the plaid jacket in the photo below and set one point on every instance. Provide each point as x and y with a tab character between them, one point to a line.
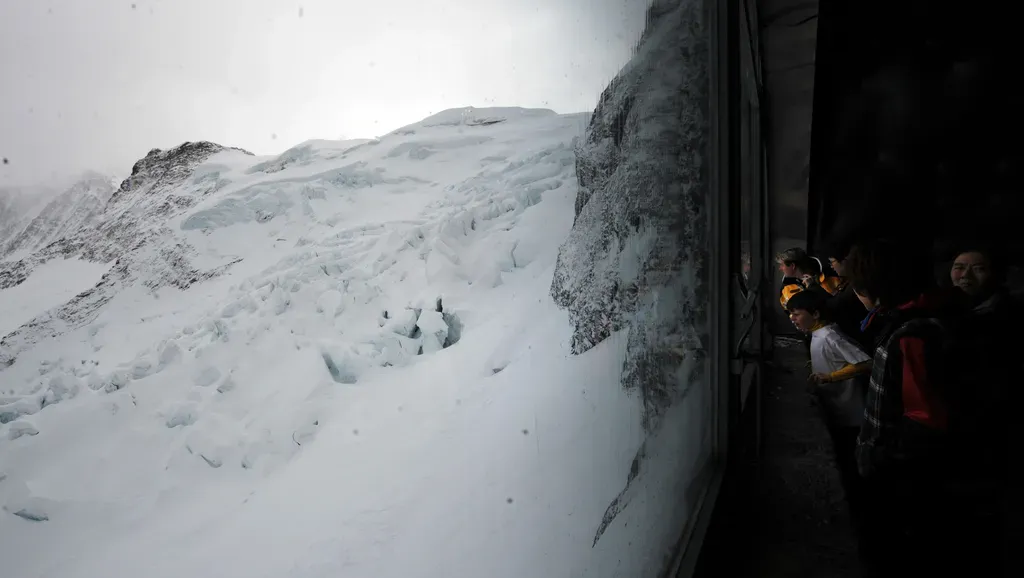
888	438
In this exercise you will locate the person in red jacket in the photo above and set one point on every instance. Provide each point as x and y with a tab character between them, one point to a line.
903	447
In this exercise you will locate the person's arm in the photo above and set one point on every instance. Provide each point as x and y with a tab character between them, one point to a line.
846	372
857	361
850	370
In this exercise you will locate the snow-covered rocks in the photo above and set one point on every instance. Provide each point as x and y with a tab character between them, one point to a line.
636	260
329	303
207	376
434	331
180	414
20	428
19	406
17	499
169	353
341	362
60	386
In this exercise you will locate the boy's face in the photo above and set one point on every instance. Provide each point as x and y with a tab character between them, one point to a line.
788	269
803	320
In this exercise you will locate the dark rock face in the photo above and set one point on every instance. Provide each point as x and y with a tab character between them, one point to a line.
635	259
161	168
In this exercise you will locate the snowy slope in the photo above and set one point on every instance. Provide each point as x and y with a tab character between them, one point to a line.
50	286
343	361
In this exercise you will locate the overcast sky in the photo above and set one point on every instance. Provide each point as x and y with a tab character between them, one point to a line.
95	84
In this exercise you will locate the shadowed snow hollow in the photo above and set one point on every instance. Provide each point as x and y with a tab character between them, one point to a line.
343	361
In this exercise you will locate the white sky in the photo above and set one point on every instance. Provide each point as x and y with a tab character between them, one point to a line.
95	84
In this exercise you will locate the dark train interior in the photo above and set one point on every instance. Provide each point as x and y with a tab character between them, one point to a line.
836	119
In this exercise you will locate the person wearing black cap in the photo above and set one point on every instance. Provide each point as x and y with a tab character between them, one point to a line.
845	309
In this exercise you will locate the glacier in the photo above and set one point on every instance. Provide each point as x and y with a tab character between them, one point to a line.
473	346
342	361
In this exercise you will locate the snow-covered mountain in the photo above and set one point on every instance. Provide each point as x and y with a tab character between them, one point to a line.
71	211
342	361
18	206
128	229
434	354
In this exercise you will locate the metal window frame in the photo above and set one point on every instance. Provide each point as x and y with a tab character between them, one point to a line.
728	308
720	56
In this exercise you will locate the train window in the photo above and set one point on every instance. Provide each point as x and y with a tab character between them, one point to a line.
752	186
748	178
748	167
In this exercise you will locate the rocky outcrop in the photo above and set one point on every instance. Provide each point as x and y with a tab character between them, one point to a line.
131	216
635	257
160	168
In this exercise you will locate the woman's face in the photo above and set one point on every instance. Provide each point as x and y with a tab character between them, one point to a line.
837	265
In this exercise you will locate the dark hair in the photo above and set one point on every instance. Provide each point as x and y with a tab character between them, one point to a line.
809	300
837	250
809	266
893	273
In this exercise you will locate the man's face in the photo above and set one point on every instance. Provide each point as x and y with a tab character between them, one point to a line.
803	320
971	272
788	269
837	265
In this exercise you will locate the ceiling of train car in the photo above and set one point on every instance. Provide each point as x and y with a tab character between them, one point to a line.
788	31
917	131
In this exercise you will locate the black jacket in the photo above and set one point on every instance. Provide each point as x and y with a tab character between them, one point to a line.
848	312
